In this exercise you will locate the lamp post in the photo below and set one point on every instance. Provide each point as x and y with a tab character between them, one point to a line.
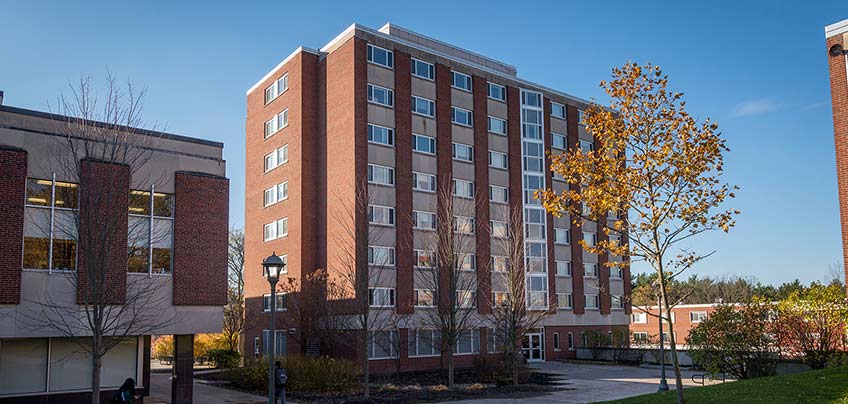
272	267
663	382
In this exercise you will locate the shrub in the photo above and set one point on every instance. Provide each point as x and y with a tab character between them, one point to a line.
305	375
224	358
163	347
439	388
494	368
475	386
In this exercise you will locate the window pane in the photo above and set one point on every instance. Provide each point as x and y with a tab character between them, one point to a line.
67	195
64	255
137	260
161	260
36	252
163	205
139	202
38	192
23	366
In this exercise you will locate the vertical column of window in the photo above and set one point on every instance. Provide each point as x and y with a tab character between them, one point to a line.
533	167
548	139
150	232
577	272
50	233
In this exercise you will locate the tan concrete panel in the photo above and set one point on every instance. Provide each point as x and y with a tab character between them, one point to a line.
464	171
423	88
381	76
380	115
497	108
423	125
462	99
382	155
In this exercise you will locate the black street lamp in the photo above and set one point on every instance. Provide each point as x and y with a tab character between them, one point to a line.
272	267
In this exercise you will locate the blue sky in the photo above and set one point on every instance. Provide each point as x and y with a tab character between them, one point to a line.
757	68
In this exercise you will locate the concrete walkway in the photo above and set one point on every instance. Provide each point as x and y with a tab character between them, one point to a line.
588	383
160	393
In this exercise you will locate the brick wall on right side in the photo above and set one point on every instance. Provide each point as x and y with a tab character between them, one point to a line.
839	100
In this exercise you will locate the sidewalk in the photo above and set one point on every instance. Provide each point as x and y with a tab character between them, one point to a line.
160	393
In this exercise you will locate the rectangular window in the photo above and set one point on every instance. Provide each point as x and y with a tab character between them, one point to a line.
423	258
383	344
281	302
381	215
498	194
564	300
277	123
615	273
537	292
424	343
559	141
499	298
463	224
461	81
639	318
424	298
463	152
617	302
278	87
592	301
563	268
562	236
590	238
696	316
381	95
499	229
423	220
380	56
499	263
534	223
557	110
381	135
423	144
463	189
497	92
276	229
277	193
423	69
423	106
381	256
556	341
586	146
150	232
640	338
497	125
531	98
277	158
534	154
381	175
462	117
466	299
423	182
571	341
381	297
498	160
467	262
590	270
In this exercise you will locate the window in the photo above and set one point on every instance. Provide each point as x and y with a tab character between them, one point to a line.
276	229
381	215
463	189
277	158
498	160
277	193
497	125
556	341
537	292
50	241
150	232
279	342
639	318
423	144
586	146
615	273
499	263
278	87
381	95
423	106
424	298
423	182
557	110
467	262
564	301
463	224
534	154
697	316
424	343
562	236
580	114
257	348
461	81
533	183
423	69
563	268
617	302
531	98
571	341
380	56
590	238
381	135
423	258
381	175
640	337
423	220
559	141
281	302
497	92
534	223
498	194
277	123
381	297
499	229
590	270
463	152
466	298
499	298
381	256
462	117
382	344
592	301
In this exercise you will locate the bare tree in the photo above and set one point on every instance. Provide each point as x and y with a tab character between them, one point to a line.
101	137
513	311
234	320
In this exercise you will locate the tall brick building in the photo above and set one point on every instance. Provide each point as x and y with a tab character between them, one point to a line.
410	114
837	42
164	260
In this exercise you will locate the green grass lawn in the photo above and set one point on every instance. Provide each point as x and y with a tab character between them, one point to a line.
819	386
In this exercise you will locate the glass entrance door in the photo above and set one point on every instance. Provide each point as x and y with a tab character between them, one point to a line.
533	347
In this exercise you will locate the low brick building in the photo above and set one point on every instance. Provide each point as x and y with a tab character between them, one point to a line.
644	323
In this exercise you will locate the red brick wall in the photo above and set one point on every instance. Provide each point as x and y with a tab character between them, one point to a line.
104	205
444	162
682	323
603	269
549	225
13	172
481	177
403	182
564	352
576	232
839	101
201	230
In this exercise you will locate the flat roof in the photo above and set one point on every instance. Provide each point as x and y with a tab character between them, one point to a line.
840	27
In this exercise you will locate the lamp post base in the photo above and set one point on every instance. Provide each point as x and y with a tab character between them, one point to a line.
663	385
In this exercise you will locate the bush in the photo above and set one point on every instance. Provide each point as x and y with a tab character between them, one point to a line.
494	368
224	358
305	375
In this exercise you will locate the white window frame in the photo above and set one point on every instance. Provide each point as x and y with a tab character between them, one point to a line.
275	191
561	107
466	219
489	92
388	294
387	212
489	126
389	133
469	152
593	238
697	316
416	222
500	189
562	264
371	177
467	262
503	157
497	224
392	257
390	95
430	103
565	301
469	185
457	112
435	344
594	266
275	88
570	341
557	238
275	125
282	298
416	300
466	295
394	345
279	156
416	257
502	258
554	143
465	78
390	56
619	299
415	182
275	225
431	69
639	318
586	146
431	142
595	300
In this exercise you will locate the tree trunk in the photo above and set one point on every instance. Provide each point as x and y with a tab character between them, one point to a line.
678	380
450	368
365	371
514	365
95	379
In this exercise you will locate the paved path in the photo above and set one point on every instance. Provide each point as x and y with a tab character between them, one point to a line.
587	383
160	393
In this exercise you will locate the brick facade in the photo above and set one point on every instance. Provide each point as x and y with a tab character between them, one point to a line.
13	173
403	183
839	102
481	178
578	298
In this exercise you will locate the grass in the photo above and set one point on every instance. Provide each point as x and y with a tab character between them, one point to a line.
818	386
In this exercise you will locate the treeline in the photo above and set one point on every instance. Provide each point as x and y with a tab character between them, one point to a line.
701	290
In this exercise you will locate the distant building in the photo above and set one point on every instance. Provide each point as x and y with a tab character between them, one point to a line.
837	43
644	323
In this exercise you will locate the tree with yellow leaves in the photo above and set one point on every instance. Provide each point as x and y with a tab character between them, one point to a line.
657	170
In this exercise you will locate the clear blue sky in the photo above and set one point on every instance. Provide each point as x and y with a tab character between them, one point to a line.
758	68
